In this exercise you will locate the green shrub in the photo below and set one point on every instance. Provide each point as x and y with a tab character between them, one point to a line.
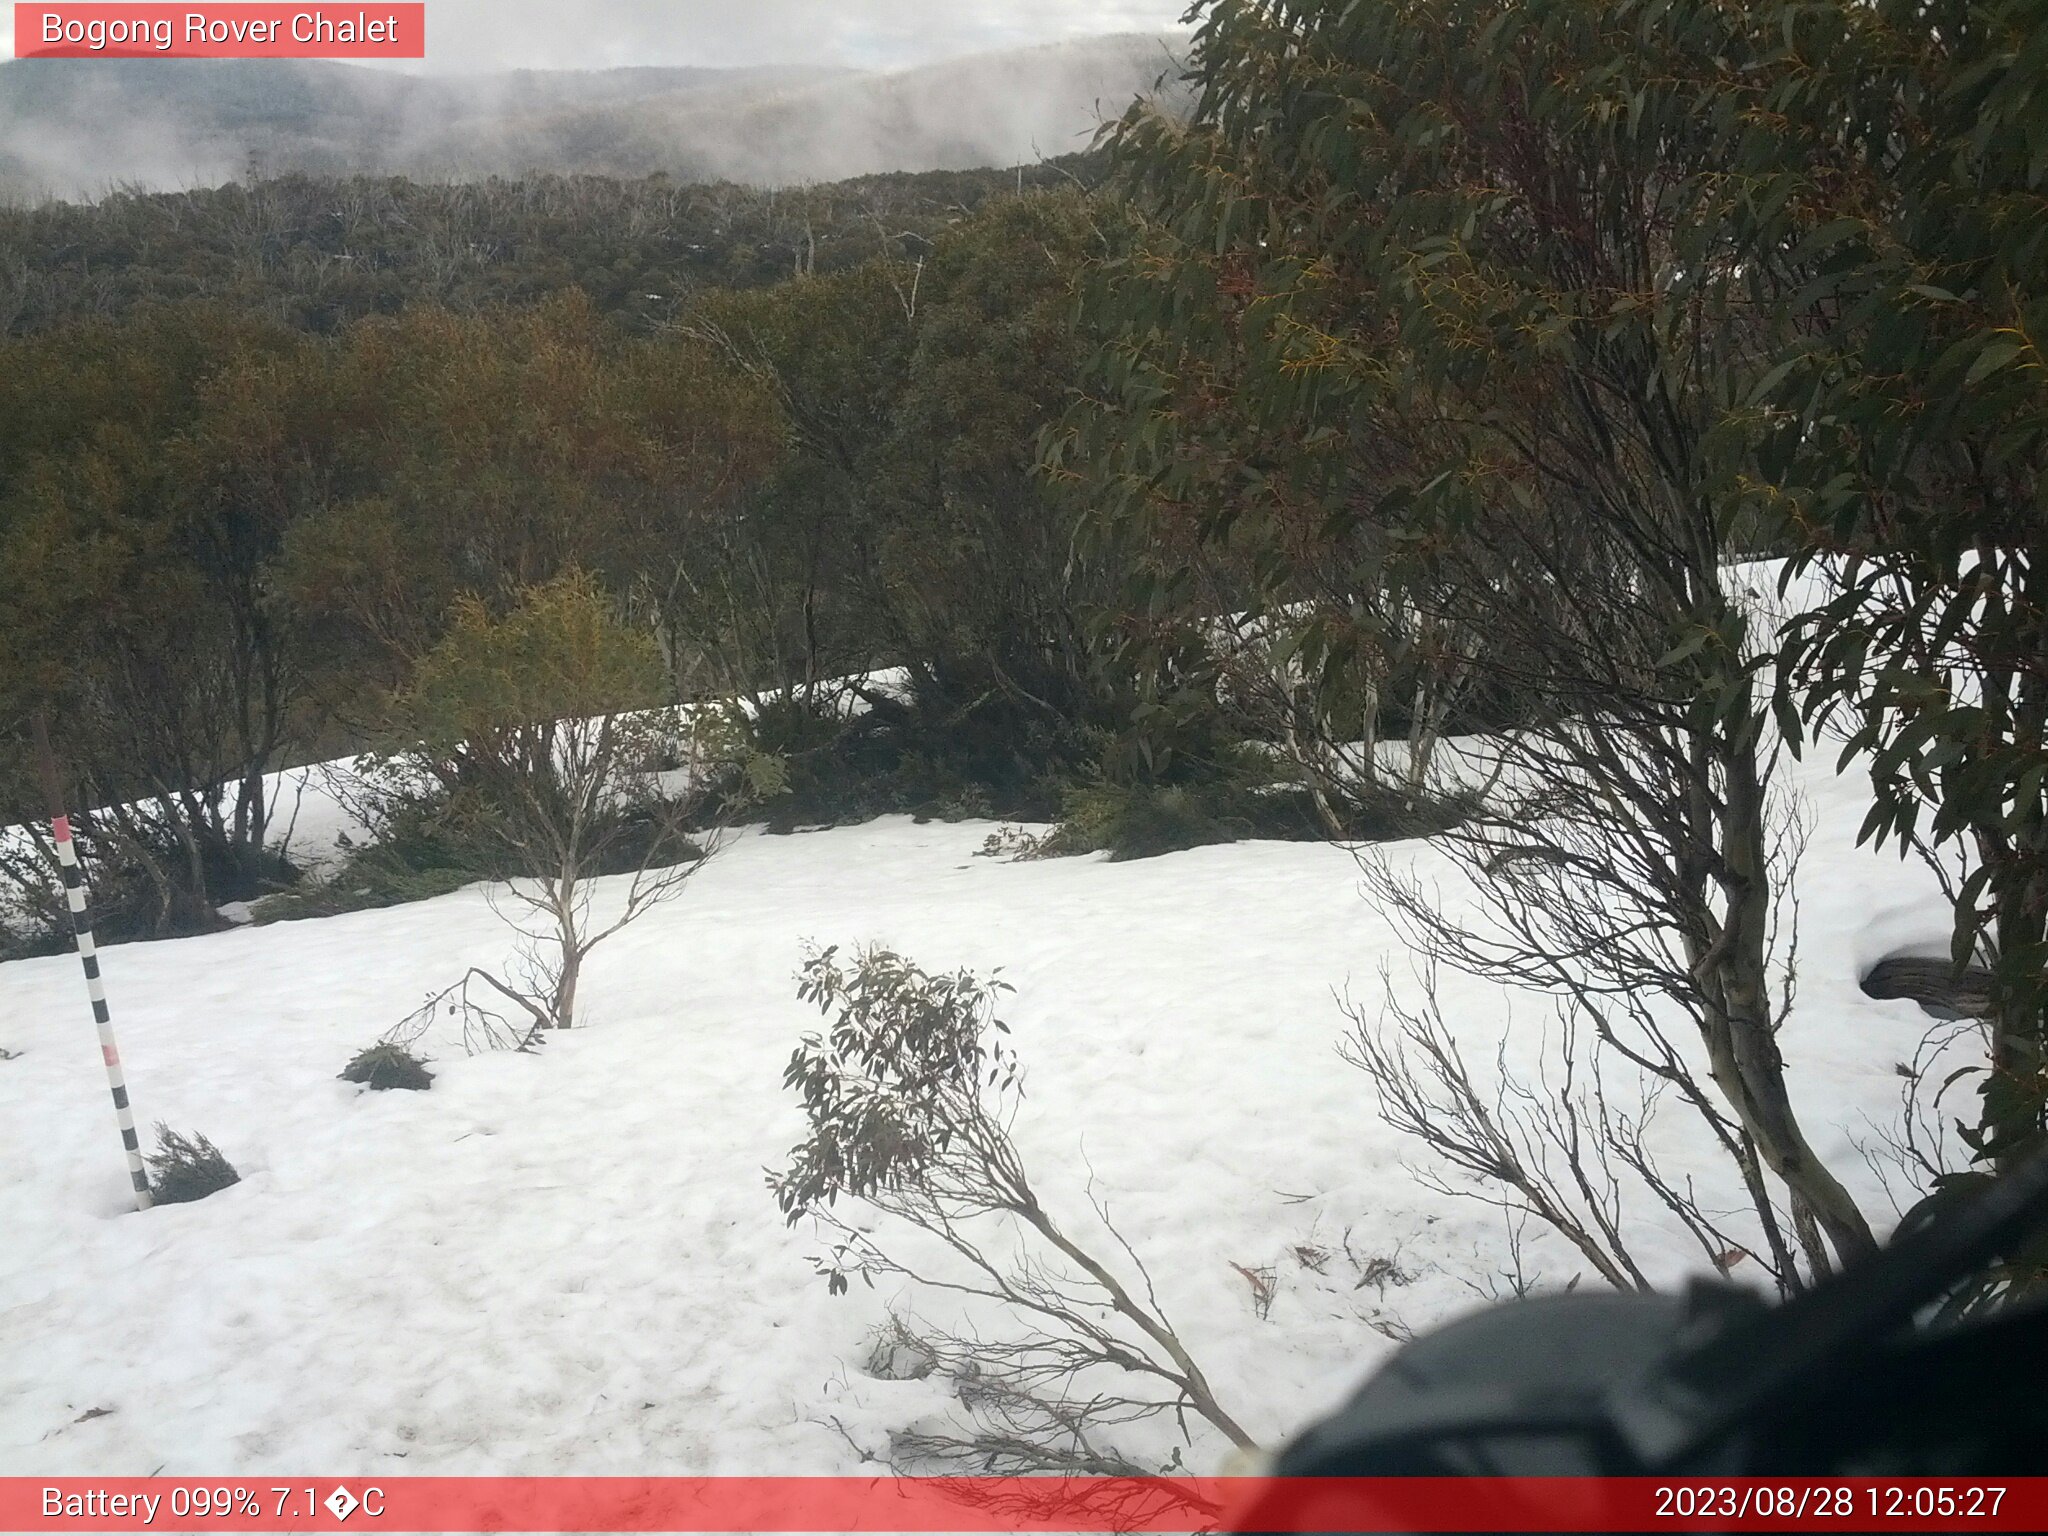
417	850
128	901
183	1169
428	844
356	889
1240	802
387	1065
647	841
25	937
918	755
1141	821
422	846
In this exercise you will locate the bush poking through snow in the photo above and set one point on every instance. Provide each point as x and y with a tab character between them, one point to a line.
183	1169
424	842
1242	802
950	744
387	1065
897	1352
1142	821
909	1094
1011	843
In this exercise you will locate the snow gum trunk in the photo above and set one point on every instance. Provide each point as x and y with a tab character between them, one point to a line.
1741	1030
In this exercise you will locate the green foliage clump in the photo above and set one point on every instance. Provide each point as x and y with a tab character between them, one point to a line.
163	655
431	843
387	1065
184	1169
645	838
512	718
1142	821
25	936
901	1090
423	846
1239	794
559	652
146	887
538	733
928	754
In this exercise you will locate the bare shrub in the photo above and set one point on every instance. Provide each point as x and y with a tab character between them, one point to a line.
1570	1149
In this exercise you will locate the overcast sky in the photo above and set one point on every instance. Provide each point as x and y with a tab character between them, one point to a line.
869	34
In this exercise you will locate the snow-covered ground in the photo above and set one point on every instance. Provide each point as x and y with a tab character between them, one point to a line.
568	1261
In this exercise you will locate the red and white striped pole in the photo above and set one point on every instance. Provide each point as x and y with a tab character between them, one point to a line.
89	956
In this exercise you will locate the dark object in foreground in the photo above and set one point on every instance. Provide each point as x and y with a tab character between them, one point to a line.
184	1169
1837	1381
1935	985
387	1066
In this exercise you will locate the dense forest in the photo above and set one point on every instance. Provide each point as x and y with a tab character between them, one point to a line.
813	456
314	253
1426	379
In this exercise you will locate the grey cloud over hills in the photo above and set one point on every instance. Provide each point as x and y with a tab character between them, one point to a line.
76	129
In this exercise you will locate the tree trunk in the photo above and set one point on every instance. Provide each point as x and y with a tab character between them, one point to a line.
565	989
1742	1041
572	947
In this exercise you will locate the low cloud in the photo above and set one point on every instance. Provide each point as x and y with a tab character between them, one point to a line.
864	34
76	128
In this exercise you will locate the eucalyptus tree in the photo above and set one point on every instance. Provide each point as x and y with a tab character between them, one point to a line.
1439	294
1888	195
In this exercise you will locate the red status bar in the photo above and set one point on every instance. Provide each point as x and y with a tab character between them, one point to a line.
911	1504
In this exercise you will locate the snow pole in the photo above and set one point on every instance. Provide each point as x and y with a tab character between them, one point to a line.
89	957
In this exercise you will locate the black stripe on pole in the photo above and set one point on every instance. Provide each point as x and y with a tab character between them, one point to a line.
141	1181
92	967
71	877
128	1141
120	1098
99	1012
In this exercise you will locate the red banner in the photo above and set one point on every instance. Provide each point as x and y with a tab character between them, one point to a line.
359	31
791	1504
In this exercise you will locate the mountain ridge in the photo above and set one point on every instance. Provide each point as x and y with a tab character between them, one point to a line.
77	129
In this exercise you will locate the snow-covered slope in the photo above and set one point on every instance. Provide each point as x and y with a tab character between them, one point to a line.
568	1261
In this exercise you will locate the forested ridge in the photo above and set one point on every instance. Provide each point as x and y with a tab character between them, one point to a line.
316	252
1428	378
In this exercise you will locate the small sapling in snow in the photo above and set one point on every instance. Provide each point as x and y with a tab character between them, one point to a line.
909	1093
